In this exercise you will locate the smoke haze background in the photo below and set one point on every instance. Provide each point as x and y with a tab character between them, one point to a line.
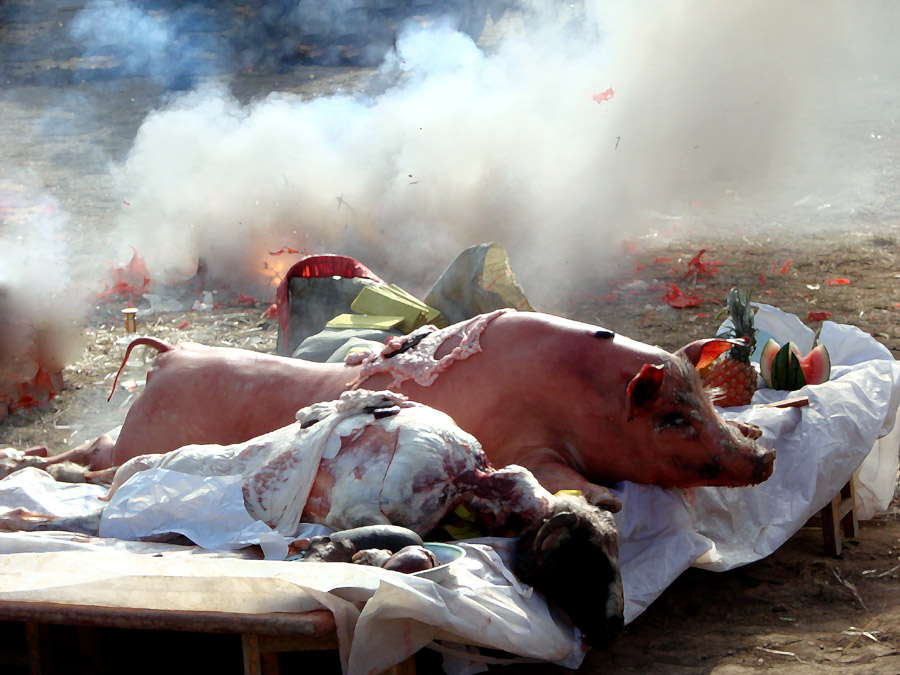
463	147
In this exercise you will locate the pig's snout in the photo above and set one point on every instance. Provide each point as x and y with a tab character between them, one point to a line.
765	465
746	429
762	459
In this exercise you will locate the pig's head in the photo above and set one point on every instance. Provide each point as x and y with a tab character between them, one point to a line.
678	436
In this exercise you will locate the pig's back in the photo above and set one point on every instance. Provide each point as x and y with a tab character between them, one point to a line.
222	395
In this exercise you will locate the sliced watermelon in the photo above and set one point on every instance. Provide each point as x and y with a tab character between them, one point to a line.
786	371
766	356
816	365
782	367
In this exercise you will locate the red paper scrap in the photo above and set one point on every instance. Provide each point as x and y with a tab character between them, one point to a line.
183	325
603	95
818	316
284	249
663	259
698	268
40	389
132	280
675	297
840	281
785	267
245	298
762	280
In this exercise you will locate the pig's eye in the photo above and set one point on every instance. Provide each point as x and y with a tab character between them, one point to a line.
675	421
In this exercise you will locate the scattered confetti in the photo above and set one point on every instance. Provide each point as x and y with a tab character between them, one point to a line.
603	95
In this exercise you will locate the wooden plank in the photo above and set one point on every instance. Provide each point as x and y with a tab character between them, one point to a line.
831	526
289	643
408	667
36	648
796	402
849	521
316	623
838	520
252	656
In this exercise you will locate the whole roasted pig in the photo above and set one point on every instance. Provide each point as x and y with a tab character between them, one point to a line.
577	405
376	458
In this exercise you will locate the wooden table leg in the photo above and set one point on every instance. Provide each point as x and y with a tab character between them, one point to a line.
849	522
261	653
839	520
408	667
257	659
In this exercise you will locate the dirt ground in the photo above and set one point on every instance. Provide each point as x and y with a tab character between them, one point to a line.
798	611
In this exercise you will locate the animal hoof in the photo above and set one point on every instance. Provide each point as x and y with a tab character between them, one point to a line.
602	498
572	559
554	532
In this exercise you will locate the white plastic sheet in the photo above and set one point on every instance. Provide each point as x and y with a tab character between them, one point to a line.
847	429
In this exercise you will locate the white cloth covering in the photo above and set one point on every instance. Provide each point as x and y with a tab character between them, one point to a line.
848	430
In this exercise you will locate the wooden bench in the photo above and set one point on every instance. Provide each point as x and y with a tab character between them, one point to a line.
838	520
263	636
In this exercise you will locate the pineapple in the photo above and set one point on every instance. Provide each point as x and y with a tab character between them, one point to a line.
731	374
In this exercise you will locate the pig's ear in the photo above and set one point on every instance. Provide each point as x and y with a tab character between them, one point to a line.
644	387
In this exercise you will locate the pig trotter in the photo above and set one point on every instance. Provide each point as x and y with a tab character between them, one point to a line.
571	557
601	497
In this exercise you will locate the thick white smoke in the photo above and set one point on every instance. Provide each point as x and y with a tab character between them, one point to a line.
41	310
466	147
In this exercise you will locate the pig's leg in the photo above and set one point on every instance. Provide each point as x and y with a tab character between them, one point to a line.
93	455
24	520
101	477
552	472
572	558
120	474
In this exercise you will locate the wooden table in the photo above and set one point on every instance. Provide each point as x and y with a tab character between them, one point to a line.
263	636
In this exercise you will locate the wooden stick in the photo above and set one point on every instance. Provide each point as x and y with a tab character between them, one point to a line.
796	402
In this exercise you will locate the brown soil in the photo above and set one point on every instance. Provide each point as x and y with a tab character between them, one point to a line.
797	611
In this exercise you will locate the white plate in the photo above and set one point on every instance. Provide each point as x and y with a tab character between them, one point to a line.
446	554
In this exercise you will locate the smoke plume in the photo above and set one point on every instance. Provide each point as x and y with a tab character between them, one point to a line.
462	146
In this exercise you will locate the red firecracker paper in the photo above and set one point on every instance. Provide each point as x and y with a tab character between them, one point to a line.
675	297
